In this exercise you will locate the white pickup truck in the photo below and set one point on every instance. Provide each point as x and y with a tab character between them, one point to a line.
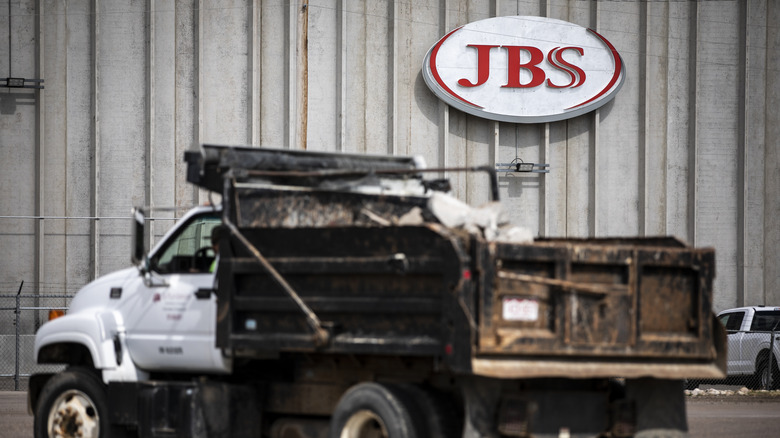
752	333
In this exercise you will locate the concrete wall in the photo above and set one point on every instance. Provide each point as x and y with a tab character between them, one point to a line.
689	147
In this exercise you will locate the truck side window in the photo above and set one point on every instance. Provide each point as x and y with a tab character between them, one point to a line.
189	251
732	321
765	321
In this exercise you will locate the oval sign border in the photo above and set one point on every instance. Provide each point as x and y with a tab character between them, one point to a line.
442	90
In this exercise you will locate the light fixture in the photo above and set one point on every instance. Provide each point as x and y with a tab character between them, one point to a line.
11	81
21	83
518	165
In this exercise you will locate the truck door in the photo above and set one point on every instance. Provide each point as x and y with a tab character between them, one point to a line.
171	322
736	363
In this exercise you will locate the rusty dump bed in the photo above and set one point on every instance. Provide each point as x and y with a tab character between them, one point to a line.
351	260
625	307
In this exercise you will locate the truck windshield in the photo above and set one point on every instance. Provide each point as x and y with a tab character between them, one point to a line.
189	250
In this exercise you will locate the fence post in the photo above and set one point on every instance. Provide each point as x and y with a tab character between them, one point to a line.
17	311
770	384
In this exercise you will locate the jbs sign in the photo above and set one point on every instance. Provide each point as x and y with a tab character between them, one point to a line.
524	69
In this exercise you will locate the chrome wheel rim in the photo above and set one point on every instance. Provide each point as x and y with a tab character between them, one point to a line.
73	415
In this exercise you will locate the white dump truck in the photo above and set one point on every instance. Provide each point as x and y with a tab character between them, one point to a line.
352	296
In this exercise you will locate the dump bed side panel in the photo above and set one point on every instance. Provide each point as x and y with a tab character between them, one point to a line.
376	290
597	299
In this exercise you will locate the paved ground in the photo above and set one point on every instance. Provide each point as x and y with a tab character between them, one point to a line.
14	420
734	416
711	417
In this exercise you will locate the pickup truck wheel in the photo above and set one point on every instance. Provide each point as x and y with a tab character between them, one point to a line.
767	380
72	404
372	410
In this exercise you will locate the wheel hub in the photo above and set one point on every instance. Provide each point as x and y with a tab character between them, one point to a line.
364	424
73	415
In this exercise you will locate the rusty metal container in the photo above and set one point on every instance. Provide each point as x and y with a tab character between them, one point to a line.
598	307
322	259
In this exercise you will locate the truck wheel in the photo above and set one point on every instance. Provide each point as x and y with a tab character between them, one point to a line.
72	404
767	380
443	416
373	410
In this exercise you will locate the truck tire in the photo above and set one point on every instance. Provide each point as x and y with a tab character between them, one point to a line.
443	416
659	407
765	379
373	410
72	404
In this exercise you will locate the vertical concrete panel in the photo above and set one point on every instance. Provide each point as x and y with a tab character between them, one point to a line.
377	61
55	157
297	68
121	59
556	182
679	126
18	166
415	98
470	140
223	70
561	8
405	68
618	158
186	95
453	143
576	172
717	141
274	74
354	76
4	23
480	133
458	150
754	153
161	113
366	74
78	81
569	162
656	92
323	54
519	8
520	191
772	159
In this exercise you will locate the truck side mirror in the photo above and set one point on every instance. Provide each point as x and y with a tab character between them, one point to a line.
139	243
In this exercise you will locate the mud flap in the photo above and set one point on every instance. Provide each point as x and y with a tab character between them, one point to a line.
481	398
34	387
660	407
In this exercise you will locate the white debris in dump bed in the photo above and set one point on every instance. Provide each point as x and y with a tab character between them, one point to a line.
490	220
374	185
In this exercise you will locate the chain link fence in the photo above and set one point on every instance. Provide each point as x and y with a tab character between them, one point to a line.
752	361
20	317
752	356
